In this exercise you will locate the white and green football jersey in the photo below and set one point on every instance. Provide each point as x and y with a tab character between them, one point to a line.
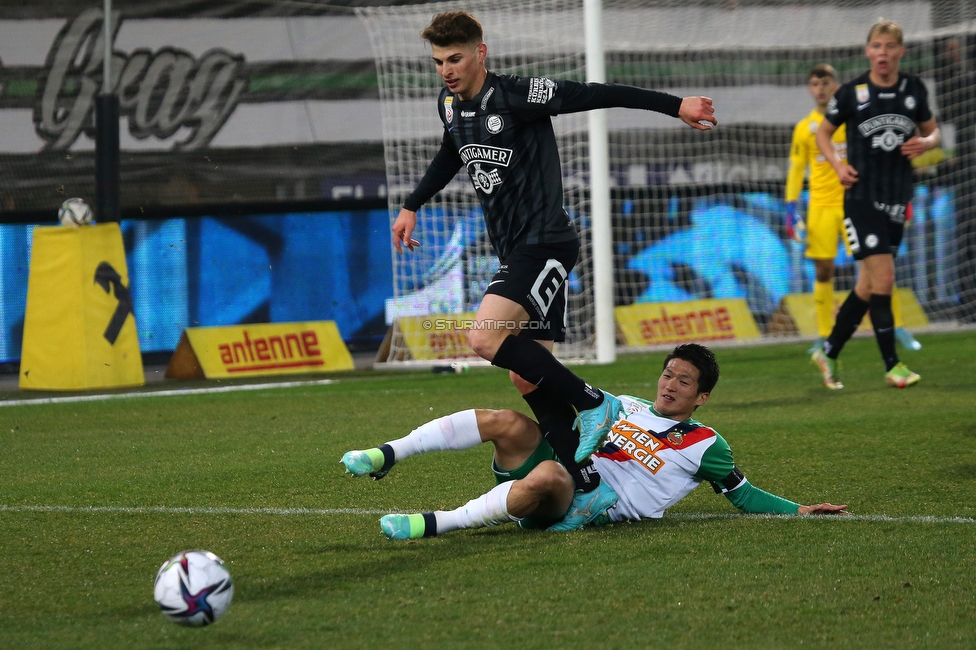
652	462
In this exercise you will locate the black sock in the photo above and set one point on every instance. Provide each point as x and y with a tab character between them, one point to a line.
389	457
534	363
848	319
556	417
430	524
884	328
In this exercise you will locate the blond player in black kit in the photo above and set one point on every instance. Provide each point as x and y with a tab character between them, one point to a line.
889	123
499	129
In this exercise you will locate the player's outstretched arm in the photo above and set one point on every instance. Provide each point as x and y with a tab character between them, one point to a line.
823	509
748	498
697	112
403	227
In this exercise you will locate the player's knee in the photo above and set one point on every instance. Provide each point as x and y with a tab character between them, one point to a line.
484	342
882	281
503	425
888	278
550	478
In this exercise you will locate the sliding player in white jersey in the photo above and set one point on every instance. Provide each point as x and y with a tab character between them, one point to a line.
656	455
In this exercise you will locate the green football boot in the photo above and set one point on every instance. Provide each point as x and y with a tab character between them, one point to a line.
403	526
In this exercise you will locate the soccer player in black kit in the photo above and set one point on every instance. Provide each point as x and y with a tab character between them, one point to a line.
889	123
498	128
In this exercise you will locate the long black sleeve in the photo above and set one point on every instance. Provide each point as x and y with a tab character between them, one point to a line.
585	97
442	169
566	96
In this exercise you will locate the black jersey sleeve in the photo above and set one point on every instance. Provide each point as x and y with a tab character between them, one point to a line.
441	170
533	96
839	108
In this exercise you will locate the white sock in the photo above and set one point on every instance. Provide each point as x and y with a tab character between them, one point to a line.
456	431
490	509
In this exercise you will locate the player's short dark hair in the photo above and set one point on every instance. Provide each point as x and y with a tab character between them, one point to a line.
822	70
453	28
703	359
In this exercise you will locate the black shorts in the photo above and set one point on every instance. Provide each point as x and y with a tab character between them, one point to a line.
535	276
873	228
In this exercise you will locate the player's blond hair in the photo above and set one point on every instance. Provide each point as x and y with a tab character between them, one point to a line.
453	28
888	28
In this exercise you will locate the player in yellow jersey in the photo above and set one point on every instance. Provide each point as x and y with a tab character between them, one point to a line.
825	214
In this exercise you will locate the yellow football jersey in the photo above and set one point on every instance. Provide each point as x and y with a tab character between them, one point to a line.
825	187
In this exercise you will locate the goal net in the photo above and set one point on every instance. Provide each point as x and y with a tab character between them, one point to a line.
695	216
448	274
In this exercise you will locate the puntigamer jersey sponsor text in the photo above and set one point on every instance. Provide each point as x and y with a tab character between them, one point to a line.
879	120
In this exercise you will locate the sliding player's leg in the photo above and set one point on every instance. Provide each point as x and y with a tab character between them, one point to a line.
515	437
543	494
592	495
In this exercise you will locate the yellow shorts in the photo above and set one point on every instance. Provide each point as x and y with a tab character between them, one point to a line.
825	227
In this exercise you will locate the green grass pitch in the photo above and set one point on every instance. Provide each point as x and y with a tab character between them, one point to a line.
258	476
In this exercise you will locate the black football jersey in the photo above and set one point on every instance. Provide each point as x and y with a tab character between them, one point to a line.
879	120
504	139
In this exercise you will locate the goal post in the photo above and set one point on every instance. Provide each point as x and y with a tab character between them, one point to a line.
604	324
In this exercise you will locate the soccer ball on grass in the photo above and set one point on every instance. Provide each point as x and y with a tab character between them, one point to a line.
75	212
193	588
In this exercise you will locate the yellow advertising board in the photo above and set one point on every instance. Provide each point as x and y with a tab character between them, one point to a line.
801	310
669	323
79	329
258	350
439	336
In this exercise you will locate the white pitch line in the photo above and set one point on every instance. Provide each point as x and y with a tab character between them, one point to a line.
164	393
166	510
913	519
